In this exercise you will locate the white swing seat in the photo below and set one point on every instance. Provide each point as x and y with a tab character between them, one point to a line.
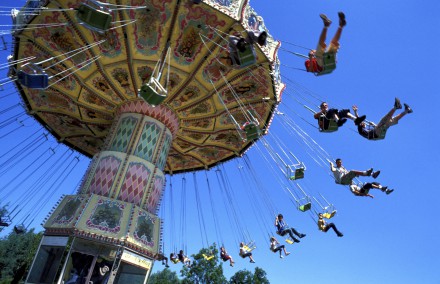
153	92
93	16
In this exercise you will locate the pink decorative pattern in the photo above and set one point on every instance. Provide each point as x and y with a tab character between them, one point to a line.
105	175
160	112
134	184
154	196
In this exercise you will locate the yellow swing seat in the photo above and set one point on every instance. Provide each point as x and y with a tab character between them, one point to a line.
329	215
207	257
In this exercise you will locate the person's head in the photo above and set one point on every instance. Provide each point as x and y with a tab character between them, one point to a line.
363	124
241	45
272	239
280	216
312	53
241	244
320	215
338	162
262	38
181	251
104	269
222	248
323	106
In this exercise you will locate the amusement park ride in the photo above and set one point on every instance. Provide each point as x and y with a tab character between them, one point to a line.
144	88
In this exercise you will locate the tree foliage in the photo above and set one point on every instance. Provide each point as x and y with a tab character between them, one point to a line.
246	277
16	254
203	271
165	276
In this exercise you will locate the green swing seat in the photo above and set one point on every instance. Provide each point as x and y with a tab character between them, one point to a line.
332	125
252	131
305	207
247	57
94	16
329	60
299	174
153	92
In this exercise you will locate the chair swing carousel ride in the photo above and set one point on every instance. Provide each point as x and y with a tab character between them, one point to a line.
144	88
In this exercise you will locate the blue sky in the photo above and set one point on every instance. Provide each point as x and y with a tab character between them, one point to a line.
387	50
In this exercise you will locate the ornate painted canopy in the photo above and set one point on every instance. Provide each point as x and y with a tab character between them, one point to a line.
91	74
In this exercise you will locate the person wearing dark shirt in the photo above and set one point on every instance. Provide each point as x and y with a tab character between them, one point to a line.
339	116
378	131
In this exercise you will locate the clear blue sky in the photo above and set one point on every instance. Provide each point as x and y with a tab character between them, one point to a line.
387	50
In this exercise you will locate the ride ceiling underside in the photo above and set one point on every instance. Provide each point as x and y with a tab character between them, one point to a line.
79	109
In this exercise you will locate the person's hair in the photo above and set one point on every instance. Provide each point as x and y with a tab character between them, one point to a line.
280	215
272	238
338	160
322	104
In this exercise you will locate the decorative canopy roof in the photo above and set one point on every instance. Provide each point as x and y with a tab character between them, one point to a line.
91	74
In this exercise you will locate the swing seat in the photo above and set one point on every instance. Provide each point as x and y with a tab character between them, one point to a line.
246	58
4	224
328	215
153	92
305	207
38	80
381	136
299	174
252	131
289	241
332	125
175	260
93	16
329	59
207	257
19	229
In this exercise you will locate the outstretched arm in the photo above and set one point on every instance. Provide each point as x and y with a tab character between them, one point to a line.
355	110
332	167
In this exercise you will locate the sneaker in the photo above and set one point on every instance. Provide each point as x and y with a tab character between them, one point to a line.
342	21
407	108
375	174
340	235
368	172
342	121
389	191
359	119
384	188
167	266
252	261
296	240
302	235
326	20
281	256
397	104
287	253
231	264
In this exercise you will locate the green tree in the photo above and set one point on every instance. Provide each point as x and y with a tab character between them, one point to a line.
16	254
246	277
203	271
165	276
